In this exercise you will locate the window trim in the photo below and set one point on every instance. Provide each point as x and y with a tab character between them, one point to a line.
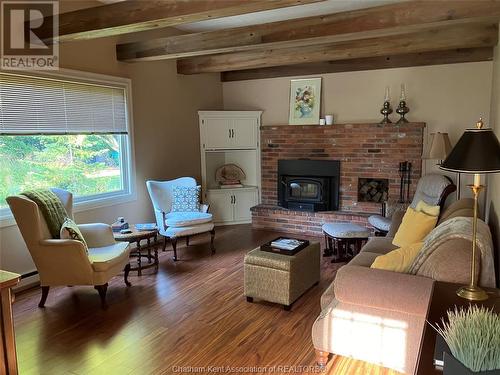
129	193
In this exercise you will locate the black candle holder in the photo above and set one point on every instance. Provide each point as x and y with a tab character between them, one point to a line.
402	110
386	111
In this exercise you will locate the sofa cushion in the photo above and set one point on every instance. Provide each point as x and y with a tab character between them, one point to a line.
414	227
428	209
186	198
396	220
70	231
188	231
462	208
186	219
379	245
398	260
364	259
103	258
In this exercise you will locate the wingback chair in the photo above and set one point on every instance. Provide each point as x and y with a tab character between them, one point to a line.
64	262
174	225
432	189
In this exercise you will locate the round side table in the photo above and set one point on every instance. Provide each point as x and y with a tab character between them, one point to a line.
149	251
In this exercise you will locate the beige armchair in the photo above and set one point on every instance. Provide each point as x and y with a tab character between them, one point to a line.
64	262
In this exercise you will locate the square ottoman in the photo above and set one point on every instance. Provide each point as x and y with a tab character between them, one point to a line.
281	278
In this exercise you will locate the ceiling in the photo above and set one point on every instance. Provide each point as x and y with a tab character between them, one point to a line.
300	11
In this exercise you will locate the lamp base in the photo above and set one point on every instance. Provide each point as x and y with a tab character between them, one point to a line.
472	293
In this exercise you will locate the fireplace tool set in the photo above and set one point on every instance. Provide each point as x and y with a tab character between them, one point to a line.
405	181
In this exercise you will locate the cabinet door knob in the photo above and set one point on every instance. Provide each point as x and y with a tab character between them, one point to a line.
229	133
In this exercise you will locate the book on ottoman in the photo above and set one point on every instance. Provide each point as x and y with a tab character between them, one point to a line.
285	245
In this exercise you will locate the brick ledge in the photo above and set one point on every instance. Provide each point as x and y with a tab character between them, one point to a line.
271	207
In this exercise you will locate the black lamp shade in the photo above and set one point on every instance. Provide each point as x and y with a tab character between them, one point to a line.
477	151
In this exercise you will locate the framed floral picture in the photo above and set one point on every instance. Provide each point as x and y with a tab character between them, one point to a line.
305	101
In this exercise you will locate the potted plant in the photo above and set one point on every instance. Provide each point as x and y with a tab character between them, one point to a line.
473	337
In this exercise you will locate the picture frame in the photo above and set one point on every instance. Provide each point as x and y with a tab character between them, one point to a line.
305	101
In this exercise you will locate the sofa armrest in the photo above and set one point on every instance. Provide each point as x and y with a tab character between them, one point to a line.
383	289
97	234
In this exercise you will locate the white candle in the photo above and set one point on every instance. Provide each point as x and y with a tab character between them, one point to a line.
403	92
387	94
477	179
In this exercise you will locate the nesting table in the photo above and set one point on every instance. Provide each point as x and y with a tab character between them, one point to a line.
148	251
344	240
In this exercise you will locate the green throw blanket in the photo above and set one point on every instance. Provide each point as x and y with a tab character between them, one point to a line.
52	209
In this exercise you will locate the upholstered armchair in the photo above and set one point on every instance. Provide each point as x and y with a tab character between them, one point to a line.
432	189
174	225
67	262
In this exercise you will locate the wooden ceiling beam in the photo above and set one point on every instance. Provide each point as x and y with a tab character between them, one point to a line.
434	39
139	15
371	22
367	63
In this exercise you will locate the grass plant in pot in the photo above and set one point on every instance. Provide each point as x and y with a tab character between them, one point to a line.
473	336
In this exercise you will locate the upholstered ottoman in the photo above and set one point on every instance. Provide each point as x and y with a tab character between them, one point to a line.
344	240
281	278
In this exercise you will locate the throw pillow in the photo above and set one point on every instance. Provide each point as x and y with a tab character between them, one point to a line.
70	231
398	260
186	198
414	227
427	208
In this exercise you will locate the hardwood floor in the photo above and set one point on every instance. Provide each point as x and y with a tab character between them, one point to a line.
192	313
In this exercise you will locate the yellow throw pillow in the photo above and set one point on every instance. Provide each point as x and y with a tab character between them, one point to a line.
398	260
427	209
414	227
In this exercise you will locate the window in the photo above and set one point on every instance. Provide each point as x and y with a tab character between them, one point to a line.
70	133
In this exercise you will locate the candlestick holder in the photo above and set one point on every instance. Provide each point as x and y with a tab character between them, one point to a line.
402	110
386	111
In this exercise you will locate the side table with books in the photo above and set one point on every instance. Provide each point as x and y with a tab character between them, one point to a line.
136	234
281	274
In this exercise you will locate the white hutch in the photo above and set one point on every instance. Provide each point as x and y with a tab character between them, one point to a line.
230	137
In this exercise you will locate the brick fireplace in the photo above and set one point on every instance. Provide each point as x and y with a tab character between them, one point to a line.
365	151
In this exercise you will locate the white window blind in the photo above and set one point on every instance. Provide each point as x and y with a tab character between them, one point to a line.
38	105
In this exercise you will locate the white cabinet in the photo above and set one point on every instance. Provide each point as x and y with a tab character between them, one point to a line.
232	206
230	137
244	133
243	200
223	133
216	133
221	206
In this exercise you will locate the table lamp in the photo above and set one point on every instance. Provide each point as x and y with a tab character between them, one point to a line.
439	147
476	152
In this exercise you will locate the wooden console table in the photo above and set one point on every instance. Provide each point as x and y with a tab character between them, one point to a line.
8	356
444	297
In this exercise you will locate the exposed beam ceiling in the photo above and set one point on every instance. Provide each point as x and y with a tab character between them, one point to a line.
359	24
136	15
433	39
366	63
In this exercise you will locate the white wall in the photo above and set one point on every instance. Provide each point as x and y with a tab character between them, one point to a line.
494	180
449	98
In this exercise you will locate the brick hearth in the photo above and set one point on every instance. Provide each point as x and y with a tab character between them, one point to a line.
364	150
